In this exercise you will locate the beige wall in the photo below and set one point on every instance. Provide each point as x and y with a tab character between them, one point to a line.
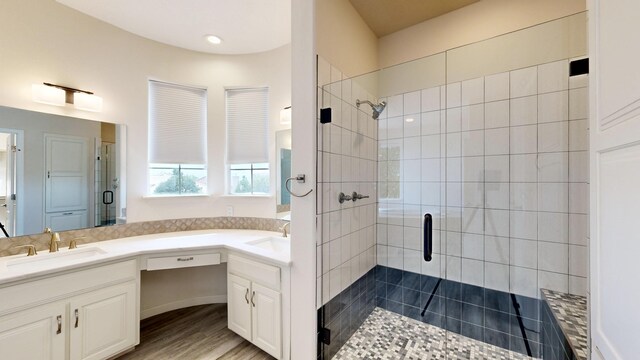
482	20
344	39
41	40
565	38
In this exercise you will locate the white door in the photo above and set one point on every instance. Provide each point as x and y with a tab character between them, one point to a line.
238	306
34	334
103	322
68	220
615	178
266	320
66	174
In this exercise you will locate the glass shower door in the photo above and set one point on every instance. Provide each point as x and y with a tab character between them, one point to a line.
411	203
508	184
107	185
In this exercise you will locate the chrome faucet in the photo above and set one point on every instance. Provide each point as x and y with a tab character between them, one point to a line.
55	239
284	229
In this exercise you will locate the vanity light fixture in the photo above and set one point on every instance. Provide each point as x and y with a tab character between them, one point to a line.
87	102
213	39
285	116
47	95
58	95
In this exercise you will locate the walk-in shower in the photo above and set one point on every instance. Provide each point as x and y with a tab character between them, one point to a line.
483	147
376	108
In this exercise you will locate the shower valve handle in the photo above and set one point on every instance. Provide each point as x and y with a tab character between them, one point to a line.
355	196
343	197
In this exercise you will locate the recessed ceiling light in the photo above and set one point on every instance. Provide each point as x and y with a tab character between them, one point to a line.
409	119
213	39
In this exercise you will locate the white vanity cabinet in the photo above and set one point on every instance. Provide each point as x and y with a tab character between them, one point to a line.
254	303
87	314
34	334
103	322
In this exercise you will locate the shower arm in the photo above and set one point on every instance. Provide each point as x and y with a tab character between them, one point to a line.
358	102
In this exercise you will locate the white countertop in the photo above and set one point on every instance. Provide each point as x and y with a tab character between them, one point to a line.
46	263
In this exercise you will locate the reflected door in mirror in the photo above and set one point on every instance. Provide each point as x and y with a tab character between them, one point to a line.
66	183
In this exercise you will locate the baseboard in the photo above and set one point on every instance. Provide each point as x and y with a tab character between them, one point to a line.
215	299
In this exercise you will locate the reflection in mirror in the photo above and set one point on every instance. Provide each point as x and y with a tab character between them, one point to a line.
59	172
283	171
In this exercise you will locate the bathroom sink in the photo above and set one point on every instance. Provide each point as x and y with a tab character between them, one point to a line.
45	260
275	244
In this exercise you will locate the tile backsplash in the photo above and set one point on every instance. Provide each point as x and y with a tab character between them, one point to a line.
89	235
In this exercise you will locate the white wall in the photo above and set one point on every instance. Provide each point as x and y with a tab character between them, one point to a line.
479	21
42	40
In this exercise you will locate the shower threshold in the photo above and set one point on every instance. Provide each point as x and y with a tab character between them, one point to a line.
387	335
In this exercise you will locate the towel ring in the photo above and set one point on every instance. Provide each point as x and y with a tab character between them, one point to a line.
299	178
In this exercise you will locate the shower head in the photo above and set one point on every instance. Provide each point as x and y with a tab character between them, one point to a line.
377	108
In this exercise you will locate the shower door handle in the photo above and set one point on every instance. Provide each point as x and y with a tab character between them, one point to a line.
428	237
107	197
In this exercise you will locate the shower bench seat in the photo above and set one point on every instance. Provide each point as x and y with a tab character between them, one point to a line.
564	326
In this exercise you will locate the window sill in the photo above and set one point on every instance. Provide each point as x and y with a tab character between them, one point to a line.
175	196
265	196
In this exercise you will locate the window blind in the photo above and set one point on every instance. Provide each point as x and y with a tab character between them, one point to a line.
177	124
247	125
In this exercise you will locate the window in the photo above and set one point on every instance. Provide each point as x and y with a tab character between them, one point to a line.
392	172
247	129
249	179
177	139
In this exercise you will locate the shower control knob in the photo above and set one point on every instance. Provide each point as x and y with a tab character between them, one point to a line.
355	196
343	197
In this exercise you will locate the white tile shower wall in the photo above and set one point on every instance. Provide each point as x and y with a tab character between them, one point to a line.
347	152
501	162
411	171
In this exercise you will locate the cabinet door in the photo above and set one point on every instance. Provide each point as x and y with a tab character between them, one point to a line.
267	329
238	306
103	322
34	334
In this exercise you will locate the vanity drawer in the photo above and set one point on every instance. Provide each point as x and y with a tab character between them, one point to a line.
264	274
182	261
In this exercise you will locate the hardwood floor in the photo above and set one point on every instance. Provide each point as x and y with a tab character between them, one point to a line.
194	333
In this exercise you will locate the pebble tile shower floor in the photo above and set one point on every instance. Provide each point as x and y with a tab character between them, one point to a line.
386	335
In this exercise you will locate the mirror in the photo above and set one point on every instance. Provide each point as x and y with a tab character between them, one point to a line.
283	172
59	172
